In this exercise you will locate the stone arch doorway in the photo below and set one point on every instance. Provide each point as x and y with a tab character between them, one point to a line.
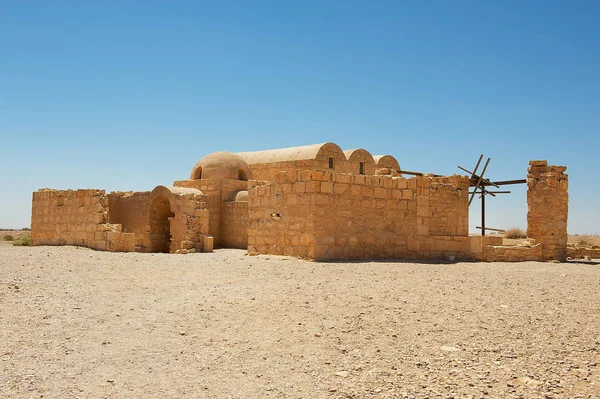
160	224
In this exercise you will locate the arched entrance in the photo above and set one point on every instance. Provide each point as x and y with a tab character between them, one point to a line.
160	224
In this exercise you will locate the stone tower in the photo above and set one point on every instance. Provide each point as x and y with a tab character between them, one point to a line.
548	207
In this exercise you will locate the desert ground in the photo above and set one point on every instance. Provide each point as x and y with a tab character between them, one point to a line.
77	323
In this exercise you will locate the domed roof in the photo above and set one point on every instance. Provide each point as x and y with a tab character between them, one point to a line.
222	165
241	196
359	153
386	161
289	154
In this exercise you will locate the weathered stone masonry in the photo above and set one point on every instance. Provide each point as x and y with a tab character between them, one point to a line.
327	216
316	202
167	219
547	200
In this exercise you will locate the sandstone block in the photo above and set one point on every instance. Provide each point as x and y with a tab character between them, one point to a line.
343	178
538	163
327	187
313	186
300	187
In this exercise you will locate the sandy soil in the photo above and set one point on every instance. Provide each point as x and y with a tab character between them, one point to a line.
76	323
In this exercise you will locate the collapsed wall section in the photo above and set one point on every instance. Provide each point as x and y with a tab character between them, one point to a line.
325	216
221	215
212	202
189	223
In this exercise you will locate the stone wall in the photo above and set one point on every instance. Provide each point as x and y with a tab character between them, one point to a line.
211	188
271	233
579	252
548	201
85	218
323	215
234	225
76	217
190	222
216	193
269	171
511	253
448	214
132	211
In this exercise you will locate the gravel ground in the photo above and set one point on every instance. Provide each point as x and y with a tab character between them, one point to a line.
77	323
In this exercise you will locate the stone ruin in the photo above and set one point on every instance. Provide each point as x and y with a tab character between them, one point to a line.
315	202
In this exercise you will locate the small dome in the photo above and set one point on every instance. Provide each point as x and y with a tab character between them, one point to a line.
241	196
222	165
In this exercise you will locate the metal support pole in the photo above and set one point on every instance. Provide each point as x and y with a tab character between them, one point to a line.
483	214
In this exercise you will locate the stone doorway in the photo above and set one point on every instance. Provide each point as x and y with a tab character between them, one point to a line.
160	224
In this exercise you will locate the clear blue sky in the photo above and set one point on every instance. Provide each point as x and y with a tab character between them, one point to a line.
127	95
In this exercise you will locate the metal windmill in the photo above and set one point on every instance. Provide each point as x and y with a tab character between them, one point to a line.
481	184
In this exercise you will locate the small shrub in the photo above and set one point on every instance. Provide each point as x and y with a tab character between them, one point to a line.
24	241
8	237
515	232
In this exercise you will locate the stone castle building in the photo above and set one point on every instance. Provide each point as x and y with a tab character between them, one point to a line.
316	202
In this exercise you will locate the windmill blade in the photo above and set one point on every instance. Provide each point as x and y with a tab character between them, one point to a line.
479	180
477	166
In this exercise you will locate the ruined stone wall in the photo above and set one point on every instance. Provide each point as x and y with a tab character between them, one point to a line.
548	200
280	219
76	217
67	217
510	253
322	215
234	227
578	252
211	188
392	218
190	223
447	212
132	211
216	192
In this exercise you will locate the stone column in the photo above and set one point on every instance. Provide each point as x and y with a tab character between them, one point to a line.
548	208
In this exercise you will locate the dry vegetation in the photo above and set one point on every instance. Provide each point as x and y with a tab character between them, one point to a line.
585	240
13	235
514	233
20	238
80	323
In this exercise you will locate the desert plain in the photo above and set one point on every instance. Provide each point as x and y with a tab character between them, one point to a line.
79	323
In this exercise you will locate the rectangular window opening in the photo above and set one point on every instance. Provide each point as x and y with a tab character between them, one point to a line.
331	163
361	168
